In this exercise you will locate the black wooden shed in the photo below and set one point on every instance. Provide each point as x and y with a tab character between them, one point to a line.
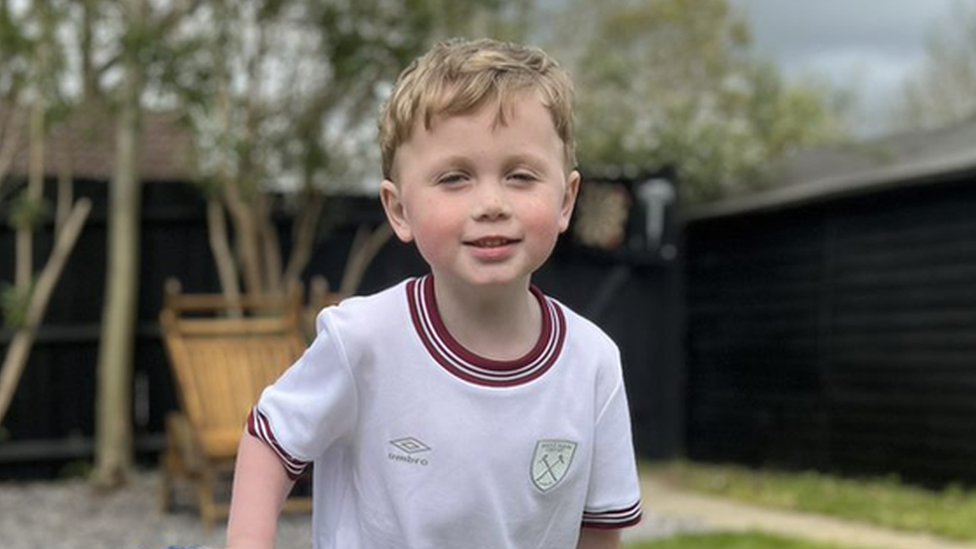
832	321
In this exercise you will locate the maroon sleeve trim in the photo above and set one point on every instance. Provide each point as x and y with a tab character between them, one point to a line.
614	518
260	428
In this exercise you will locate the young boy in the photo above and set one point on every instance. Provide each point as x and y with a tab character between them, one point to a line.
462	409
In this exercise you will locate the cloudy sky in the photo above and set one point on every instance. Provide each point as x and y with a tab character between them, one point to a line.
867	45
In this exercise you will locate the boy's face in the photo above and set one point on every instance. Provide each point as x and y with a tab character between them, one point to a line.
484	201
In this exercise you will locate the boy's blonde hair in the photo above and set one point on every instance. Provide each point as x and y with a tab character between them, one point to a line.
459	77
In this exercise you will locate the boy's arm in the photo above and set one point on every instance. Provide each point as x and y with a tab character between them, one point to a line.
260	488
598	538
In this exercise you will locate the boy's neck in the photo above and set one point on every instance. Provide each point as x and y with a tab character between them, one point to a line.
499	322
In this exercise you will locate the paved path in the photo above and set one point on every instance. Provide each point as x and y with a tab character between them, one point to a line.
725	514
67	515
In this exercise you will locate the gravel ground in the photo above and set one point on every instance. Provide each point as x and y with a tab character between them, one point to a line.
70	515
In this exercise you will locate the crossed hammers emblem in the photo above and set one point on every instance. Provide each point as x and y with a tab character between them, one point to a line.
549	471
551	461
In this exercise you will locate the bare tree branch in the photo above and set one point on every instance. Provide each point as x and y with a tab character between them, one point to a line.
365	247
306	221
19	350
177	14
163	25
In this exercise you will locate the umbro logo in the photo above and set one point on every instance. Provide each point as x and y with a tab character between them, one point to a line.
410	447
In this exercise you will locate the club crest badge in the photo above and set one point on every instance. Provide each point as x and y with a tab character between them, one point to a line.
550	462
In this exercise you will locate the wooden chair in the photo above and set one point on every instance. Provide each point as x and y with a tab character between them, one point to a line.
222	355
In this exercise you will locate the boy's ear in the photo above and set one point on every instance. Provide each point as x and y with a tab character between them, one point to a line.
569	200
395	211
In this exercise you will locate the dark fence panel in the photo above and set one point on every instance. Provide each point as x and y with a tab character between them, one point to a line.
753	319
51	421
903	344
840	336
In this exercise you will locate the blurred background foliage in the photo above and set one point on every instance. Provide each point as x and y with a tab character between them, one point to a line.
284	94
943	89
675	83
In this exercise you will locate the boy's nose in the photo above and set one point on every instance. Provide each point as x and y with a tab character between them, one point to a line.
492	202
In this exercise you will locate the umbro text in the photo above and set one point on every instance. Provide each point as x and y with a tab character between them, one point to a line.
407	459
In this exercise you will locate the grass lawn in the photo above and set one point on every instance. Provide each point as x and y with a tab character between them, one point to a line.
884	502
733	540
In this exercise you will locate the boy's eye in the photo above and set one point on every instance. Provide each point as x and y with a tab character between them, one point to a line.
451	179
524	177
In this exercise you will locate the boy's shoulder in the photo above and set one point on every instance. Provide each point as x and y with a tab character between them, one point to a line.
590	352
581	331
384	305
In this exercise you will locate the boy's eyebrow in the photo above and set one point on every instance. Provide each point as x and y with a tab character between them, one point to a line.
534	160
452	160
464	161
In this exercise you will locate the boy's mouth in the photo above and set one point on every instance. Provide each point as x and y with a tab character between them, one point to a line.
491	242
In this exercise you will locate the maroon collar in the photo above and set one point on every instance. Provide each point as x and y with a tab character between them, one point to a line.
473	368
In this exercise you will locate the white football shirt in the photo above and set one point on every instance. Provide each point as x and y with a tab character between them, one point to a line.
419	443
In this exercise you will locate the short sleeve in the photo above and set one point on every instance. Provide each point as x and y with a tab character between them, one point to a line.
312	406
613	498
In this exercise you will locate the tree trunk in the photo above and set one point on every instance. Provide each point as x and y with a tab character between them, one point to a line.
113	451
65	193
248	239
11	140
223	257
35	193
89	74
270	244
227	271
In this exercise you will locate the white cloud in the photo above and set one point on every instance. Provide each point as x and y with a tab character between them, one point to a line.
868	46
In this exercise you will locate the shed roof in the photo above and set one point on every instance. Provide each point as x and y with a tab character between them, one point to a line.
87	140
818	175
